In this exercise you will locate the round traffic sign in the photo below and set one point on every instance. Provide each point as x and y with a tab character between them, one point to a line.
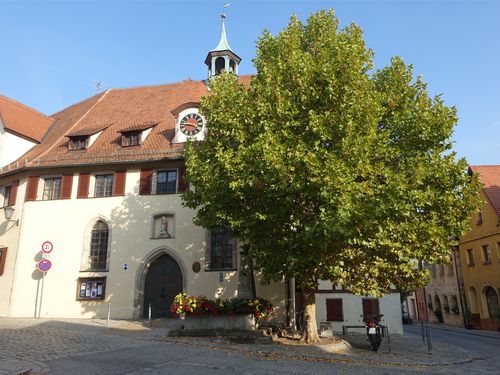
44	265
47	247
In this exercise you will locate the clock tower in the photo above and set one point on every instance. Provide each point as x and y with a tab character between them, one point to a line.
222	58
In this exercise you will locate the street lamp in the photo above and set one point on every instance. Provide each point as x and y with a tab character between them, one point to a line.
8	212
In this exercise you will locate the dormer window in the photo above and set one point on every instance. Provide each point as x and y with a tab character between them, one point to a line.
132	138
78	143
136	134
82	139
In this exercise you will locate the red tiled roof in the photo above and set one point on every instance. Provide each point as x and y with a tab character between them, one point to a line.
23	120
123	109
490	177
87	131
143	126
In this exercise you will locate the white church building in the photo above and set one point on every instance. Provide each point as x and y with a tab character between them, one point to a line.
96	190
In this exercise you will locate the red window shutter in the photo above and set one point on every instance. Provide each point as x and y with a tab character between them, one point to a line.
3	258
32	188
13	193
66	186
370	307
183	184
145	183
119	183
83	185
334	310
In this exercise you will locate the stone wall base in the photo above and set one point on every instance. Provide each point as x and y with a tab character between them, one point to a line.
245	322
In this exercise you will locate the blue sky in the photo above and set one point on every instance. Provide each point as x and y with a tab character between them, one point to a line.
52	53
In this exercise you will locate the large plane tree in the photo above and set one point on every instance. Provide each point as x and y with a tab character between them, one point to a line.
328	169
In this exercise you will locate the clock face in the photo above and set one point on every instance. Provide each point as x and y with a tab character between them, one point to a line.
191	124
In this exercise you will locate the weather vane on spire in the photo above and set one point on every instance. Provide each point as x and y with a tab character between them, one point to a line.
223	15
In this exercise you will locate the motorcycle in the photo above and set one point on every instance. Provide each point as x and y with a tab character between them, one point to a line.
373	330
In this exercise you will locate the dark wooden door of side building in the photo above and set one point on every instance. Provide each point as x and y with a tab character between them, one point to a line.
163	283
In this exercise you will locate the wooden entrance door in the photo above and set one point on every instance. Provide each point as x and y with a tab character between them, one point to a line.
163	283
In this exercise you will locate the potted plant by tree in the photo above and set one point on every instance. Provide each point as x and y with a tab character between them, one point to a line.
201	312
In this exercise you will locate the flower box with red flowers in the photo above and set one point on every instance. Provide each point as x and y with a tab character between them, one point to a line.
229	314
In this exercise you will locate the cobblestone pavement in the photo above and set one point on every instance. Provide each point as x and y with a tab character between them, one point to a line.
91	347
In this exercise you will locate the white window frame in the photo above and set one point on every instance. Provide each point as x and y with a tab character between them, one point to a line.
154	180
5	198
208	255
97	174
41	187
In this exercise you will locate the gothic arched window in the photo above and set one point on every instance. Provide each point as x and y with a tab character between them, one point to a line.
492	303
98	254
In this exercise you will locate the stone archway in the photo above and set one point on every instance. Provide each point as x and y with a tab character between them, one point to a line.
163	282
436	304
492	303
474	308
160	276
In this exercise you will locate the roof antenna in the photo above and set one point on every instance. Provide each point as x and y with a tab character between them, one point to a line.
99	86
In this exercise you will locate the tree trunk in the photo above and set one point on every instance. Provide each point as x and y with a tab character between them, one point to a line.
310	334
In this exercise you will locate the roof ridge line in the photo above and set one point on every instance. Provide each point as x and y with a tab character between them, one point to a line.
75	124
26	107
485	165
160	85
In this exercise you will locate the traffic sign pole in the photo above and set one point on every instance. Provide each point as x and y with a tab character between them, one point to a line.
43	266
41	296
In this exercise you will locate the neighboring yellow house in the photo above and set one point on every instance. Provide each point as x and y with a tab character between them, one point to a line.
480	253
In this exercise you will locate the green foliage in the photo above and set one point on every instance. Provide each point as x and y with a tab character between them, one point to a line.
327	169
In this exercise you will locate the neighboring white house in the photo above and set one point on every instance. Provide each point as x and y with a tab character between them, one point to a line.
103	187
21	128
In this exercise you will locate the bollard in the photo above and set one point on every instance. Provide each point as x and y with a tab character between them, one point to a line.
388	338
109	313
149	314
429	339
423	331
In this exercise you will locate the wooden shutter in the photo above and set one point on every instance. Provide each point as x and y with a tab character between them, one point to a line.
66	186
183	184
334	310
419	294
83	185
370	307
13	193
119	183
3	257
32	188
145	183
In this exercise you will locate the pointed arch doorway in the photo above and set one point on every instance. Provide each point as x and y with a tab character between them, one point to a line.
163	282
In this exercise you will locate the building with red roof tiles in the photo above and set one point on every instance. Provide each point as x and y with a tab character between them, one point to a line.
21	128
97	193
480	254
99	196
